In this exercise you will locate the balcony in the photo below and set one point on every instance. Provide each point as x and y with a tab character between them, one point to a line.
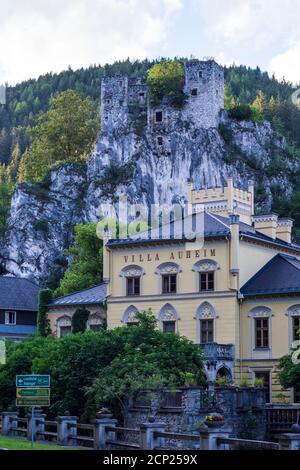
218	352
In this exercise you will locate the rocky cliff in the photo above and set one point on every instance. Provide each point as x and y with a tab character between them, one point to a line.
148	165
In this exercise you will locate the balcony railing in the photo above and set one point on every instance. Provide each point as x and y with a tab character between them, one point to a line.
218	352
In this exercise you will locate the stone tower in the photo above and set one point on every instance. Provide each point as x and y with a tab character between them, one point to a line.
114	103
124	99
204	86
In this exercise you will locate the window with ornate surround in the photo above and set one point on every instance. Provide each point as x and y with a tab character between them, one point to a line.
64	326
168	278
261	332
206	323
205	275
131	280
95	322
129	317
168	318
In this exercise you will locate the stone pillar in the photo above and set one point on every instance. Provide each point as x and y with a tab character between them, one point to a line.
289	441
9	421
66	430
38	424
148	440
209	436
101	435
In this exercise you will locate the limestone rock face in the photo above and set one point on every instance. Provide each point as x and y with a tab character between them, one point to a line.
161	159
40	223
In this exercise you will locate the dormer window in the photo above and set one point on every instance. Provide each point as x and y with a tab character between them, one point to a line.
194	92
200	74
160	140
158	117
108	102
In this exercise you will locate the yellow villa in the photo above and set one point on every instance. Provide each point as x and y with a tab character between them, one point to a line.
237	294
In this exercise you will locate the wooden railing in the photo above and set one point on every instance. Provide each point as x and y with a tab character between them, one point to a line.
246	444
119	440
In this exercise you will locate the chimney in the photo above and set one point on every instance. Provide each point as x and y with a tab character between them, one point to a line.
266	224
284	230
234	249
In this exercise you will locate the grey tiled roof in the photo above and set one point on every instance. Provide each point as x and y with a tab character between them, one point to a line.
214	226
281	275
93	295
18	294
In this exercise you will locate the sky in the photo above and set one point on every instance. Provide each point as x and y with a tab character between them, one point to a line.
41	36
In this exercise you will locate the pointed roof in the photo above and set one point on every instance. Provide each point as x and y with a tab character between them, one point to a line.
90	296
281	275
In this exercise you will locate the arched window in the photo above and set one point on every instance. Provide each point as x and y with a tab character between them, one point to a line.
129	317
206	323
95	322
205	278
131	276
64	326
168	319
168	278
294	323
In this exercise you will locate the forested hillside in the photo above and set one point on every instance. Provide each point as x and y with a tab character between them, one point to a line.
26	101
250	94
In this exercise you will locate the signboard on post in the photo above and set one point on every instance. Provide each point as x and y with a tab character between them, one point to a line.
33	390
33	401
33	381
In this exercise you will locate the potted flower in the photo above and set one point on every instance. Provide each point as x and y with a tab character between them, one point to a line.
214	420
104	413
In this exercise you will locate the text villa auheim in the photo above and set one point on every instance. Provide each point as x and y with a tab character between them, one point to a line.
148	257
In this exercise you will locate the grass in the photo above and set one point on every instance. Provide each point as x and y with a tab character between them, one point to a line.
23	444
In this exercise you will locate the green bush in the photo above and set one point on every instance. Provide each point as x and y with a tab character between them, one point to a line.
241	112
166	79
79	320
90	369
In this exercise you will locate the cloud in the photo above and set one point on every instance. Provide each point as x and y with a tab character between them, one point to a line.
287	64
37	37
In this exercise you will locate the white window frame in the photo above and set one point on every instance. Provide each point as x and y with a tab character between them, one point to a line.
206	311
260	312
7	314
